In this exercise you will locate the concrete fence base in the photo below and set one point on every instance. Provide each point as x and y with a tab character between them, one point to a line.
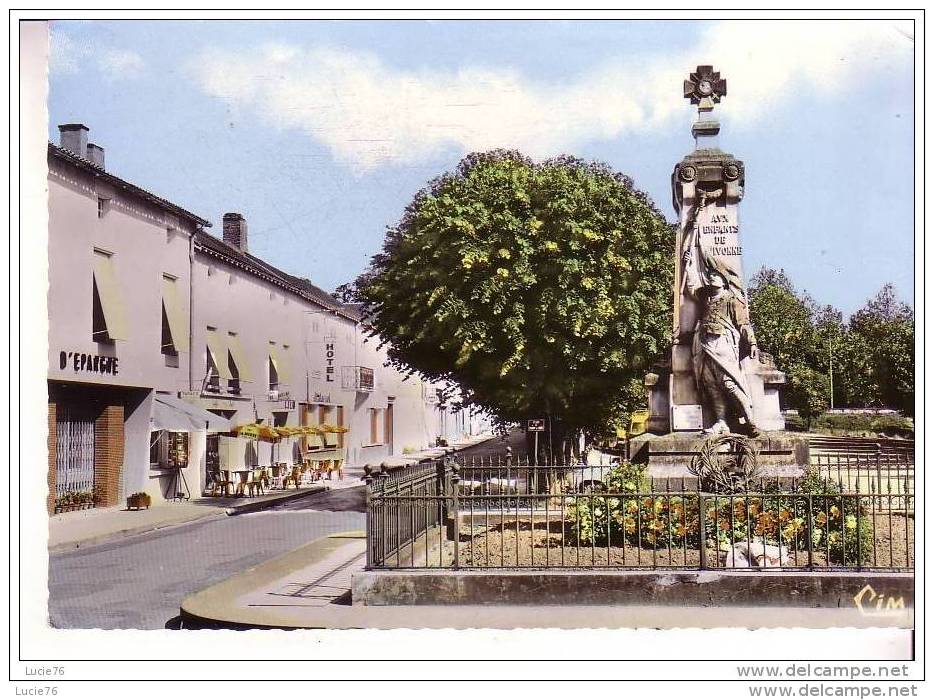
872	592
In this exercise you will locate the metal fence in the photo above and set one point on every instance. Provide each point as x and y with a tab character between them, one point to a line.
506	515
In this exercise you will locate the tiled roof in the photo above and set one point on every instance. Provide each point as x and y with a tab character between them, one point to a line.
97	171
297	285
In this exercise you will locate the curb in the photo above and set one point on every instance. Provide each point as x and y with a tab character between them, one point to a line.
214	606
254	506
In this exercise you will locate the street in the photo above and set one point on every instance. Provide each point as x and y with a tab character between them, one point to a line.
138	582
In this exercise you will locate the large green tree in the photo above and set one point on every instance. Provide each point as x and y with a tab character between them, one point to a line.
541	289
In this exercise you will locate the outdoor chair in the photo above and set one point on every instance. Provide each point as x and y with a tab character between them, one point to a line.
278	476
295	477
257	477
312	473
220	480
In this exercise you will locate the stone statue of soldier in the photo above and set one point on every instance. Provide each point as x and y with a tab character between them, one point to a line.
722	337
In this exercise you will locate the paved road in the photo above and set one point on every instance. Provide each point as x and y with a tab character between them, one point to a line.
340	500
138	582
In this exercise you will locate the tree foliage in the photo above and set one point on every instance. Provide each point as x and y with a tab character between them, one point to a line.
872	354
539	288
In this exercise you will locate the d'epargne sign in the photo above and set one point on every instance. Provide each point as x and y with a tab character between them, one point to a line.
86	362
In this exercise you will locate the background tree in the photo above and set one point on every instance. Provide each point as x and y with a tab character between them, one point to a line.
541	289
885	327
873	353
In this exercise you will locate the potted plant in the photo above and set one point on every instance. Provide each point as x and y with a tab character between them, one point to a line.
138	500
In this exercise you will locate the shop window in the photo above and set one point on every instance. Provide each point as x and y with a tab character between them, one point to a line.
108	317
168	449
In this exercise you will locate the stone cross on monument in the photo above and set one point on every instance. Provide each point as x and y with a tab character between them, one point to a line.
716	380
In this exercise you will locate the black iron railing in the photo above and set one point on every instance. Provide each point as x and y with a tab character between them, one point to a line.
506	515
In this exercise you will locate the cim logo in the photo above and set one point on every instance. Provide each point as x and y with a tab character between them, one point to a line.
873	604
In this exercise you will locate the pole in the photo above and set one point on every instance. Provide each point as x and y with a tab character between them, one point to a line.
830	345
536	448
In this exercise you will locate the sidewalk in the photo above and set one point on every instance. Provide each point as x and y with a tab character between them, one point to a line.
84	527
309	588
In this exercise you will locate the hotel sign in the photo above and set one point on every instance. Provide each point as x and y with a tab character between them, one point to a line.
329	362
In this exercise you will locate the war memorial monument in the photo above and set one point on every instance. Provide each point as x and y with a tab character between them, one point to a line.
715	381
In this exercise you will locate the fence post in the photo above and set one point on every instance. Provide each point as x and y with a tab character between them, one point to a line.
810	531
368	480
702	523
455	511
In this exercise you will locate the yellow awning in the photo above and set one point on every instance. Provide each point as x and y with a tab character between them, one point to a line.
239	357
109	293
175	313
280	362
218	351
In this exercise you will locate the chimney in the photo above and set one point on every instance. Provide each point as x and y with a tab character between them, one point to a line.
96	155
74	138
235	231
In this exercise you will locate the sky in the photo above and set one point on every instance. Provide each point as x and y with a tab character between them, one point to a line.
320	132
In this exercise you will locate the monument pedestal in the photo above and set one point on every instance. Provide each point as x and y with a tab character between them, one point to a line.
675	403
782	455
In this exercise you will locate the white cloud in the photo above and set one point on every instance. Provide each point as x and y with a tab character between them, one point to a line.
119	63
64	54
67	57
369	114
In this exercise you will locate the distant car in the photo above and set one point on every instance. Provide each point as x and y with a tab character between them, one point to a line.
591	478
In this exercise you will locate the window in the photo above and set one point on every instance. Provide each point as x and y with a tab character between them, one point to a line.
217	367
174	318
158	448
103	206
239	366
108	319
278	366
213	377
168	449
273	375
233	384
375	422
326	416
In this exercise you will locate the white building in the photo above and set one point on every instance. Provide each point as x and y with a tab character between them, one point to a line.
156	326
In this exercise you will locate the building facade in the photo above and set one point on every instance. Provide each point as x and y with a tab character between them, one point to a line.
147	309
